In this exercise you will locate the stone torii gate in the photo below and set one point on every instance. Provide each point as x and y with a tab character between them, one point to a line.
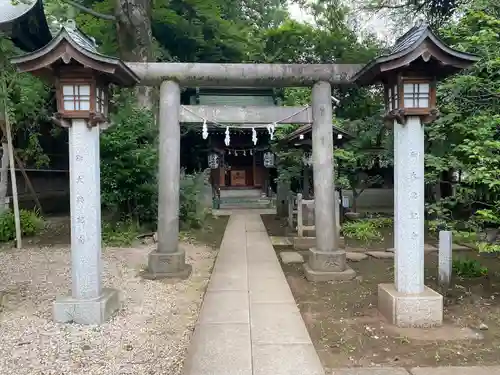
408	72
168	260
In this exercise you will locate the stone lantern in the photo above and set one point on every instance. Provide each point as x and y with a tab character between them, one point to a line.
81	76
409	72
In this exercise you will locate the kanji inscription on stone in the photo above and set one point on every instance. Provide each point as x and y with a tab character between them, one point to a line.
81	239
79	180
413	195
414	215
79	199
80	219
79	158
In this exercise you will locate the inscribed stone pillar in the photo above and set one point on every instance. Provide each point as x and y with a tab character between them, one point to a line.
326	262
168	260
89	302
409	206
409	303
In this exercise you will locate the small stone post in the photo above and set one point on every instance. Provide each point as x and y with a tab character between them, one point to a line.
89	302
326	262
337	213
445	258
300	216
168	260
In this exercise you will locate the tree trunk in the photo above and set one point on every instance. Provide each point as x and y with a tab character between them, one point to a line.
135	39
4	177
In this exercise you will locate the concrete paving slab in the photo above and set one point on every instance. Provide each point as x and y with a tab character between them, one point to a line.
289	257
370	371
456	370
266	270
428	248
233	279
281	241
277	323
300	359
269	290
355	257
220	349
225	307
380	254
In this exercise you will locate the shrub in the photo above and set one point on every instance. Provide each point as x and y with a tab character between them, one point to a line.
122	233
468	268
362	230
31	224
129	167
191	210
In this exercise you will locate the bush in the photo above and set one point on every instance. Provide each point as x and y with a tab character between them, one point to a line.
468	268
365	231
129	167
191	210
31	224
123	233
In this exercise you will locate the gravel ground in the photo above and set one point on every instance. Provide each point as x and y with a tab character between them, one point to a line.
148	336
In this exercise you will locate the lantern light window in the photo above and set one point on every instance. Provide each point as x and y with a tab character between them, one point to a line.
76	97
416	95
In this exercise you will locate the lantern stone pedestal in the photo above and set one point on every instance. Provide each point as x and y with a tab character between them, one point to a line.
89	303
168	260
408	302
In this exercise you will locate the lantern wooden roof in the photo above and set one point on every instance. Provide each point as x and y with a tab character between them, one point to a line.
71	47
419	50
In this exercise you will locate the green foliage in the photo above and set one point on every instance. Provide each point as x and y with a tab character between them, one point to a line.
27	105
31	224
129	165
381	222
365	231
468	268
465	237
120	234
191	210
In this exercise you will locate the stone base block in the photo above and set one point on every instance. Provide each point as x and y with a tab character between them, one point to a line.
167	265
317	276
90	311
421	310
327	261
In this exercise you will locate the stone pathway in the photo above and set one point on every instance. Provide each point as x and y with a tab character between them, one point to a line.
452	370
249	323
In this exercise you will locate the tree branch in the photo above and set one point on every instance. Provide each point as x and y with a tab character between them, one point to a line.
107	17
